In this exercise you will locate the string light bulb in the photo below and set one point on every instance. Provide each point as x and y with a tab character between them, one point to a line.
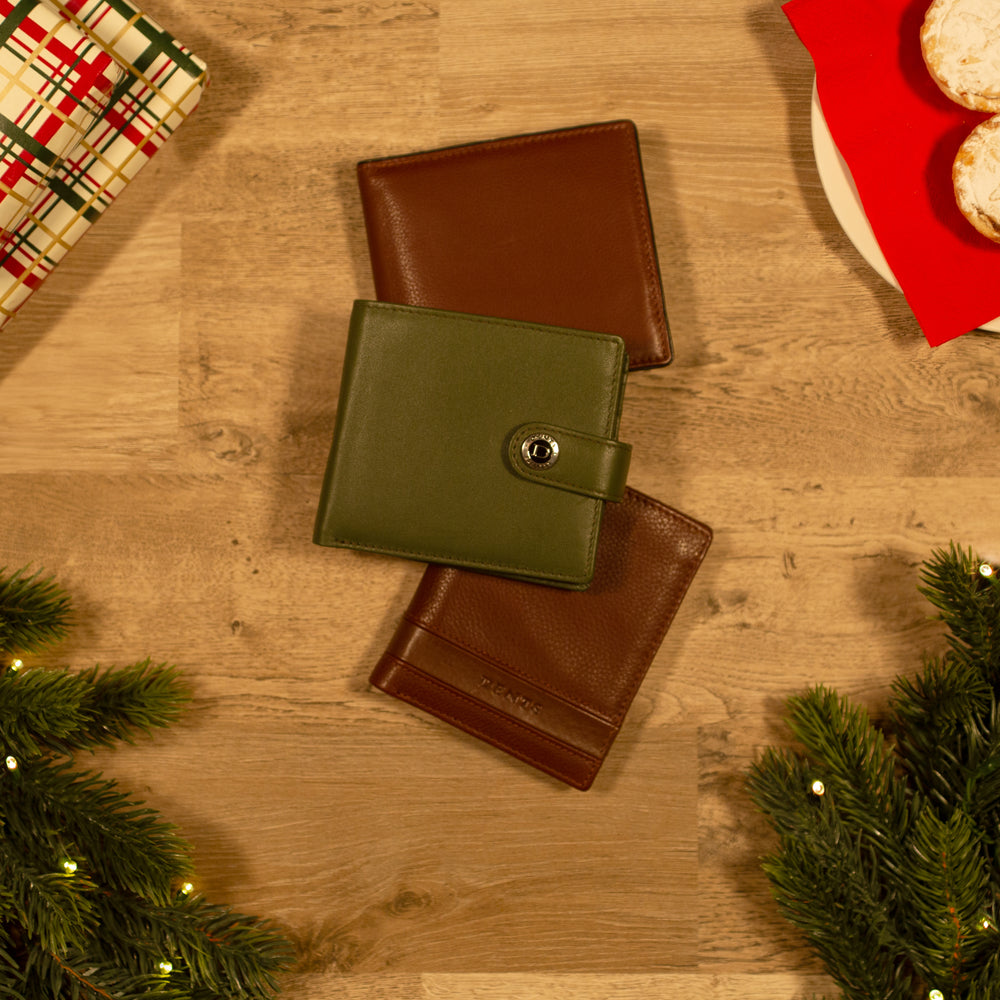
817	787
166	968
11	763
186	888
935	995
985	569
69	866
15	665
985	924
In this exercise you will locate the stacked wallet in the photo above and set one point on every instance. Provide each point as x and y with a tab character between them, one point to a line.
552	227
547	674
476	442
477	431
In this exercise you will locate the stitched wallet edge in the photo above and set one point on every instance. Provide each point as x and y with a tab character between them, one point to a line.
554	757
325	529
416	683
659	353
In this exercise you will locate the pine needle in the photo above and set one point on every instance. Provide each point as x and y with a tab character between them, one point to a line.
89	905
34	611
888	855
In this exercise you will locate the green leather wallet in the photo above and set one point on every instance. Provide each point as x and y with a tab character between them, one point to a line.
477	442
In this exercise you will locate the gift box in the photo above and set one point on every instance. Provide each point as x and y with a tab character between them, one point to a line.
54	82
159	84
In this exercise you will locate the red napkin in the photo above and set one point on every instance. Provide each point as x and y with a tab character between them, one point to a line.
899	134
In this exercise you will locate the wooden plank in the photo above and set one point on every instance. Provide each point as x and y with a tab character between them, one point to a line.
166	407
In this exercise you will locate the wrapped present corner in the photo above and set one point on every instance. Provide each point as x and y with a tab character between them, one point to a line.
54	82
89	91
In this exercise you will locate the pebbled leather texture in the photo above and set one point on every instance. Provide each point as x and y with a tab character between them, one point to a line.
551	227
548	675
419	467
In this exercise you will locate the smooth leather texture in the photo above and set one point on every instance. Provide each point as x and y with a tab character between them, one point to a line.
590	465
418	467
548	675
552	227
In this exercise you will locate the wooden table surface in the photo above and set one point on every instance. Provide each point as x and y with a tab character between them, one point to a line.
166	407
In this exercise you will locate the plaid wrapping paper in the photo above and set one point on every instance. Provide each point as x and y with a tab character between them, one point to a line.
162	85
54	81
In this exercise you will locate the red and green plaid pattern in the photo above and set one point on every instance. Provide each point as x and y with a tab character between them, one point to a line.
54	81
161	87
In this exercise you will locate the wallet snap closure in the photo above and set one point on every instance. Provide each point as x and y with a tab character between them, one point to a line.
588	464
540	451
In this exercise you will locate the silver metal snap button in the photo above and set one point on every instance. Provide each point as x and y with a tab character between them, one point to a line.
539	451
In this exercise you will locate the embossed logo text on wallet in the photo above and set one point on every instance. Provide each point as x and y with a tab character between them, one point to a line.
507	694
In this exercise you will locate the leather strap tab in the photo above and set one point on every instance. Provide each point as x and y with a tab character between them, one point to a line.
582	463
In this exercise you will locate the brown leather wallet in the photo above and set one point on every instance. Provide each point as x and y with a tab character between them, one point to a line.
548	675
550	227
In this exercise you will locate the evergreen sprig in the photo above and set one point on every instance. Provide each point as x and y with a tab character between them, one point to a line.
34	611
95	901
888	855
60	711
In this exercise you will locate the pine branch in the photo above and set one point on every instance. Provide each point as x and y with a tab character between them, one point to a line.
969	604
58	711
950	897
948	725
208	946
11	978
935	715
984	983
76	976
133	700
137	935
947	695
982	798
49	907
828	883
34	612
892	867
835	899
88	909
39	709
247	950
81	939
851	757
121	841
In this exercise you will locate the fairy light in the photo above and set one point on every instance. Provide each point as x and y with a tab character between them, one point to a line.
985	924
817	787
69	866
15	665
985	569
11	763
166	968
935	995
187	888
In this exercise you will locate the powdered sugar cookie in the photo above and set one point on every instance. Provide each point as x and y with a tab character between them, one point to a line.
960	41
976	176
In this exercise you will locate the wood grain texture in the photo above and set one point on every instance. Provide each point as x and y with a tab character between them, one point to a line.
166	406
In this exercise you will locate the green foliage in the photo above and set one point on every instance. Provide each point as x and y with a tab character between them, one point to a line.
890	865
33	611
61	711
94	894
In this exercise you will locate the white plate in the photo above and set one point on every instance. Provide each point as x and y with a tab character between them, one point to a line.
843	198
